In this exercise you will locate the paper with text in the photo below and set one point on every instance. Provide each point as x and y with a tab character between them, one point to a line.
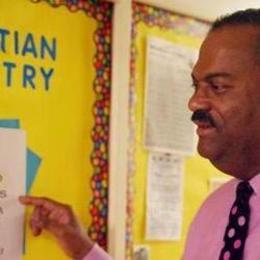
12	184
167	124
164	197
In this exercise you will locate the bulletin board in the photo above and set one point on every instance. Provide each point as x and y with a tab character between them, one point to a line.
152	21
55	79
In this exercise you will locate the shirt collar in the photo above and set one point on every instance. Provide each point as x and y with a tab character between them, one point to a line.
255	183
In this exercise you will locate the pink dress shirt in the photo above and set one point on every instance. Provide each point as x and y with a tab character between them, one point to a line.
205	237
97	253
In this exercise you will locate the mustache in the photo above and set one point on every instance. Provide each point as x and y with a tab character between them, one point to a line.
202	116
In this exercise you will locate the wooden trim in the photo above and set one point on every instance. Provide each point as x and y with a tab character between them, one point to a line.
119	128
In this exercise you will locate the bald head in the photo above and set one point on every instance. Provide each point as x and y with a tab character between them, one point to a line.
250	19
244	17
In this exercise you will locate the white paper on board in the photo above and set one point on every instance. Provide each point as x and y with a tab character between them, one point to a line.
164	197
12	185
167	124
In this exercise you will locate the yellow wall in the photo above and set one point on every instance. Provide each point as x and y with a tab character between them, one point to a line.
198	171
58	122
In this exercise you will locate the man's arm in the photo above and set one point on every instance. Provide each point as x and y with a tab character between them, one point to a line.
60	221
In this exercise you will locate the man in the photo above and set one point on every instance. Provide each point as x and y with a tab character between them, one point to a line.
226	106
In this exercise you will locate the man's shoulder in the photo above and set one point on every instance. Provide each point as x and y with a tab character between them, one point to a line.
223	190
219	198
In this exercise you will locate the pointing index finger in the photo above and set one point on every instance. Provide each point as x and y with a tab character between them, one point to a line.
38	202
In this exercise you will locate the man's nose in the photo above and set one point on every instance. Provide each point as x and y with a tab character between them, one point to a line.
199	100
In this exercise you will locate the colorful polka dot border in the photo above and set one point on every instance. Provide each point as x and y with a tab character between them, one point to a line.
167	20
101	11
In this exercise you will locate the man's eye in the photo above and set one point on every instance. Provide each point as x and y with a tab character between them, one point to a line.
218	88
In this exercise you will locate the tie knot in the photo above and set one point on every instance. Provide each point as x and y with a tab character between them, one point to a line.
244	190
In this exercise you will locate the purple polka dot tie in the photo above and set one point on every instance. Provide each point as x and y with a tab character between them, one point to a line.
237	228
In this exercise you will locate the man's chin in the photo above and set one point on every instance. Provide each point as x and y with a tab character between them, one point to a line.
206	151
203	154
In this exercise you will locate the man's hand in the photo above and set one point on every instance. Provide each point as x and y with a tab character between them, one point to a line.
60	221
